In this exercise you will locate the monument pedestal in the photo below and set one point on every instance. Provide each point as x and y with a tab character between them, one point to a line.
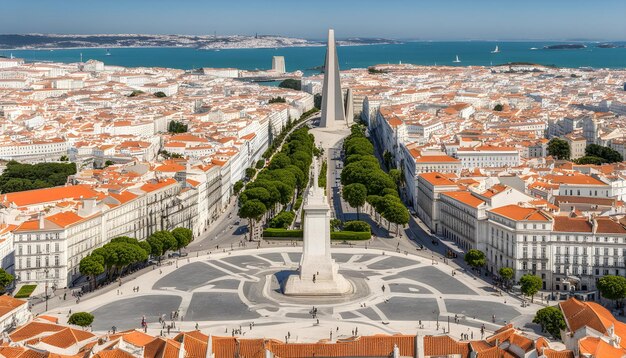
329	283
318	273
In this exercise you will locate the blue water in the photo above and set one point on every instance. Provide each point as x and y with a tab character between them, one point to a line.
305	58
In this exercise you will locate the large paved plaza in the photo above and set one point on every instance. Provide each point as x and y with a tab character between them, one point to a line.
218	292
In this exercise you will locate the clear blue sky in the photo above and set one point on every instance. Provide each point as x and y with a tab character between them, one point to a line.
419	19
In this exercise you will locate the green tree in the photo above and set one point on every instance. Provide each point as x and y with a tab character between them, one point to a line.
498	107
376	181
260	164
588	159
360	146
355	194
20	177
177	127
475	258
551	320
613	288
607	154
183	237
291	83
253	210
167	240
136	93
531	284
82	319
92	266
283	220
277	100
357	225
395	212
5	280
108	162
396	176
280	161
156	247
559	148
507	275
317	100
64	158
237	187
250	173
160	95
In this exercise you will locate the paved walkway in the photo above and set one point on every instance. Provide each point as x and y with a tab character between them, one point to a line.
224	290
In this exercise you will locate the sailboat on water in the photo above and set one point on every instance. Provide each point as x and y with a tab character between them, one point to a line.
496	50
108	53
456	60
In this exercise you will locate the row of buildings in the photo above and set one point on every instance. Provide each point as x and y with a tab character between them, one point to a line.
134	177
472	144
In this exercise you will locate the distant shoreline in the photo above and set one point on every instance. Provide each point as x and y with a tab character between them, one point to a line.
191	48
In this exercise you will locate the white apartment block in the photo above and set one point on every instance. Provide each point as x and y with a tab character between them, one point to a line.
487	156
568	252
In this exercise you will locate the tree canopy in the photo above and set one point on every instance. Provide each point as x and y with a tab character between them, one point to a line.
475	258
506	273
559	148
20	177
82	319
283	220
606	154
355	194
5	280
291	83
551	320
92	266
183	237
612	287
177	127
530	285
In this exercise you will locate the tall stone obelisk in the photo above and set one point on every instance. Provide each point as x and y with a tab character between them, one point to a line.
318	273
333	111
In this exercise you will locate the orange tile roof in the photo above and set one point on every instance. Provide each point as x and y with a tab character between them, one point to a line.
170	168
435	178
580	314
598	348
113	353
149	187
574	179
47	195
124	196
464	197
20	352
436	159
33	329
64	219
67	337
520	213
133	337
8	304
568	224
444	346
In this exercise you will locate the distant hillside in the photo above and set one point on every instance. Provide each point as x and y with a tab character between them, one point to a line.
53	41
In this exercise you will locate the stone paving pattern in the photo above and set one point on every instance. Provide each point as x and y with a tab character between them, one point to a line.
225	289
